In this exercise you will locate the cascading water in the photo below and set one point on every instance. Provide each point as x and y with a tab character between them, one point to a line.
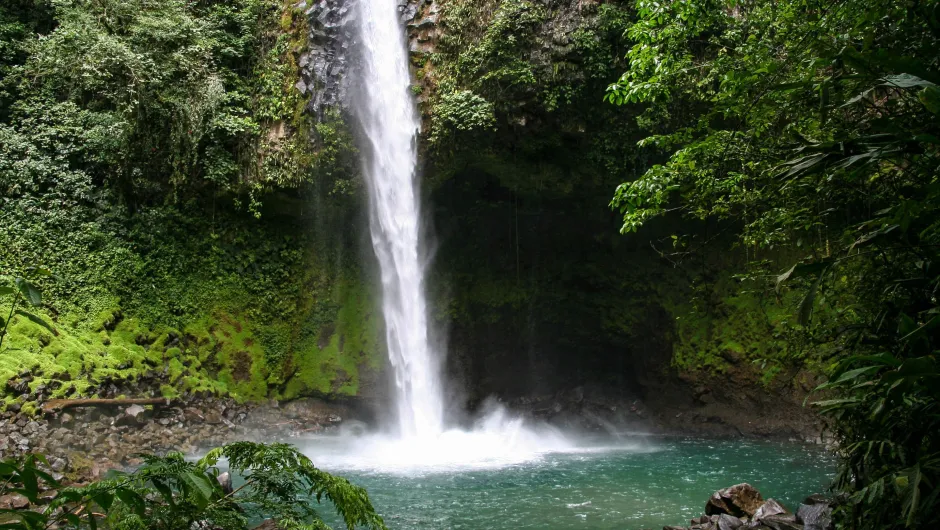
390	123
389	120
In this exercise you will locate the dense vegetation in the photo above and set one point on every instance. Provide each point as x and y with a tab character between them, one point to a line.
811	130
167	206
157	159
170	492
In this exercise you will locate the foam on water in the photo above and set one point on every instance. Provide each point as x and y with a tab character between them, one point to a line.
500	440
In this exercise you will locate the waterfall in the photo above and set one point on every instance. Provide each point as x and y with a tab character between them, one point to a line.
389	121
390	124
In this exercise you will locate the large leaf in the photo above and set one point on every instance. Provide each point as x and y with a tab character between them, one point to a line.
930	98
802	165
6	290
132	499
202	486
921	331
809	299
37	320
872	236
104	499
29	291
849	376
801	269
906	81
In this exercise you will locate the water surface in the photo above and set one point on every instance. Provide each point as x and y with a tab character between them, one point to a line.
645	483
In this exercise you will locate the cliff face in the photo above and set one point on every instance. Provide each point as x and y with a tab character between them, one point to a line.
538	290
535	290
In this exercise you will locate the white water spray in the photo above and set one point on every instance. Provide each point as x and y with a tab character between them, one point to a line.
390	123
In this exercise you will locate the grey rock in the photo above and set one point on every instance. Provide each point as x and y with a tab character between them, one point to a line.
771	507
59	464
781	522
225	480
727	522
815	516
740	499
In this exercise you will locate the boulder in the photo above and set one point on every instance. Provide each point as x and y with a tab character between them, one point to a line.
727	522
192	415
783	521
225	480
14	502
738	500
815	516
213	417
59	464
135	411
771	507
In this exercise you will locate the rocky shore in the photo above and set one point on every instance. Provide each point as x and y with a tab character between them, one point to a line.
84	443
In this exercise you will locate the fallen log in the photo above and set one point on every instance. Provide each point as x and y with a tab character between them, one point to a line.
55	405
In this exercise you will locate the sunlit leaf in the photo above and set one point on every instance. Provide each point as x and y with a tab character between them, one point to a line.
29	291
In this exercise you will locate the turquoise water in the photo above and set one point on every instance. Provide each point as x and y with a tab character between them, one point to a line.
642	484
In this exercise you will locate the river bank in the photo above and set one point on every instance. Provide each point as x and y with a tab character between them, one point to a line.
83	443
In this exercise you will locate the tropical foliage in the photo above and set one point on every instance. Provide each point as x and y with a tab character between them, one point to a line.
810	130
170	492
141	143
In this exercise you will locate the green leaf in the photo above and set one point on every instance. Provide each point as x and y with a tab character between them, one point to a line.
872	236
906	325
133	501
30	488
806	305
104	499
201	485
930	98
164	491
802	269
850	375
29	291
6	289
39	271
926	326
906	81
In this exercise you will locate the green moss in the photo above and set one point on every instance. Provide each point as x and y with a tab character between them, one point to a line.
29	408
175	370
194	289
738	328
330	360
